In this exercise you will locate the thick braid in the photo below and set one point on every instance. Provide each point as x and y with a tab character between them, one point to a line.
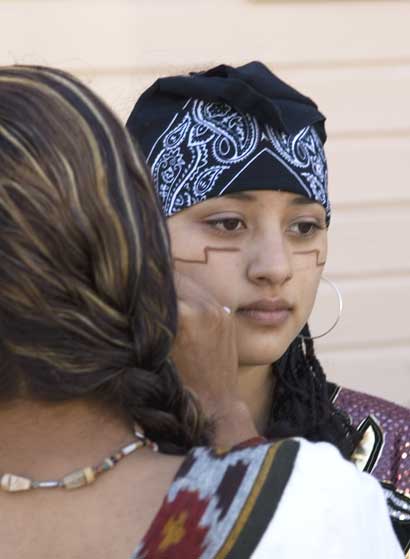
167	411
346	437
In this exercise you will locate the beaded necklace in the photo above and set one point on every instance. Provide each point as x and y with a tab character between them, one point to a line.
78	478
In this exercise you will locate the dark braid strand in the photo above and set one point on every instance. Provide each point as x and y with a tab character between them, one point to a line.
301	403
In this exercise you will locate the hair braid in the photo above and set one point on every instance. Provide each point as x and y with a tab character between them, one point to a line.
301	403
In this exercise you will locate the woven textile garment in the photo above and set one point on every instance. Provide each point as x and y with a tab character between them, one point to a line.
260	500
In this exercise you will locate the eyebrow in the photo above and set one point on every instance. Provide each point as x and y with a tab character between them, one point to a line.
302	201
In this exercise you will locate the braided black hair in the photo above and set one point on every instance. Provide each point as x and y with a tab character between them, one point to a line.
301	403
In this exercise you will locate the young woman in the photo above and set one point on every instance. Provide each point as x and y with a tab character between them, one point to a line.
238	162
87	320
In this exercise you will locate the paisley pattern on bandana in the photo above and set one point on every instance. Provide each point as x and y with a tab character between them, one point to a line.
208	145
304	151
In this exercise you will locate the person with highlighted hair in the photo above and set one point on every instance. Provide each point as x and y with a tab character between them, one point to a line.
238	163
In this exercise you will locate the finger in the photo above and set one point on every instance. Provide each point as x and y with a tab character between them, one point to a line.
185	286
190	291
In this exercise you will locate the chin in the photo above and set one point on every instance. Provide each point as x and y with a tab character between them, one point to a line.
265	356
257	348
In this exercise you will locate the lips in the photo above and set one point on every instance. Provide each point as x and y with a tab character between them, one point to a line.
267	312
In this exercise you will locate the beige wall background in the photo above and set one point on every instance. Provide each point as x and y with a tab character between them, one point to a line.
352	57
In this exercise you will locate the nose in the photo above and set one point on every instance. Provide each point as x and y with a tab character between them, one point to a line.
270	261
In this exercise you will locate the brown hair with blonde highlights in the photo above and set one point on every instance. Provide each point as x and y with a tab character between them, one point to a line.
87	302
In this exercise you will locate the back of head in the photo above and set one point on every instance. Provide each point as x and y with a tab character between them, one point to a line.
87	304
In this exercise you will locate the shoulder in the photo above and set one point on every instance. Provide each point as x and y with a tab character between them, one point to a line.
385	447
242	502
336	508
326	469
384	450
238	475
342	508
359	405
221	500
247	459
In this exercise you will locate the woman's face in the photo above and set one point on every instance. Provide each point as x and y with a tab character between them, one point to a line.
261	253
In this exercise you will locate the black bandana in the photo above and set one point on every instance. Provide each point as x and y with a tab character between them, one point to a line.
228	130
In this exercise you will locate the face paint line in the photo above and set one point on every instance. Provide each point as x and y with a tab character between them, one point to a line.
207	250
315	251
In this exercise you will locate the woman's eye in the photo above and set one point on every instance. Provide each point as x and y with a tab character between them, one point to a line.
304	228
227	224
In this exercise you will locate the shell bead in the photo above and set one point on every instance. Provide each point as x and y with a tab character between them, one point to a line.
13	483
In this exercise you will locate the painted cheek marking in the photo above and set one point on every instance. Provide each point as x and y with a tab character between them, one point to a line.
207	250
320	262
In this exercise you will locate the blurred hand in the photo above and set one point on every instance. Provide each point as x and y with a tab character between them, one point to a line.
206	357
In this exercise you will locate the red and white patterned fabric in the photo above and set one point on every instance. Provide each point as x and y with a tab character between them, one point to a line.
265	500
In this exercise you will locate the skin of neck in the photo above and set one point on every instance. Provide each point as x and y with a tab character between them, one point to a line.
256	385
46	440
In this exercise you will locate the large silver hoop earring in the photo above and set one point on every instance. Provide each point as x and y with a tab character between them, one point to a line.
340	299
